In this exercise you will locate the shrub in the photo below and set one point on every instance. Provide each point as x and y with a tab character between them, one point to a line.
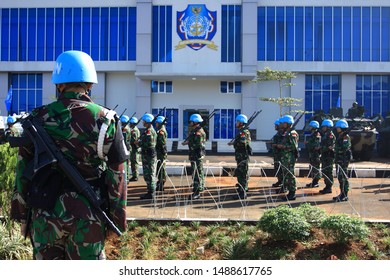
13	246
343	228
7	176
312	214
285	223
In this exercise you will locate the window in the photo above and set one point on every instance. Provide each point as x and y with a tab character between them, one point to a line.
172	123
161	87
323	88
372	92
231	33
26	92
230	87
225	123
162	34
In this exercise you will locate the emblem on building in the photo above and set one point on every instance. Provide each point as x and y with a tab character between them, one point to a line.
196	27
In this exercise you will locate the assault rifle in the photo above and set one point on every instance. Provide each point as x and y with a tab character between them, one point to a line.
203	123
166	118
250	120
159	114
297	121
47	153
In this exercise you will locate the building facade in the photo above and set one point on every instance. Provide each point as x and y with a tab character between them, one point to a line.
181	57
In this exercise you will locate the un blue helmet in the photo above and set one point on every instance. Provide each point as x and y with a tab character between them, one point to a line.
160	119
277	122
196	118
133	120
74	66
147	118
11	119
314	124
287	119
125	119
327	123
342	123
242	118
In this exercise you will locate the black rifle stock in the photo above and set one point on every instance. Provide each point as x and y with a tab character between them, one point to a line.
250	120
47	152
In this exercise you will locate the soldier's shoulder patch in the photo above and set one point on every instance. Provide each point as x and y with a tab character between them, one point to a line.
148	132
198	133
294	134
331	136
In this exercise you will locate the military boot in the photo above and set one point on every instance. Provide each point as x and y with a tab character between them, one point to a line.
277	184
194	196
289	196
281	190
133	179
327	189
160	186
148	195
313	184
343	196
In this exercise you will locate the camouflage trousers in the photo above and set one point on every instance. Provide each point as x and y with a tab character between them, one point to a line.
134	163
241	172
149	166
289	181
197	175
315	164
327	170
66	238
278	169
342	175
161	171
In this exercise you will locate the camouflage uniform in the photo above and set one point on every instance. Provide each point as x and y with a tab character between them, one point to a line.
161	148
289	155
134	152
327	159
313	146
242	151
277	157
196	141
127	137
343	157
147	142
63	223
11	131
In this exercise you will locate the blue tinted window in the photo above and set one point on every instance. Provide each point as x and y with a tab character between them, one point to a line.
162	33
217	125
154	85
359	82
326	82
335	82
280	33
68	32
337	31
77	29
27	92
385	34
162	28
231	33
59	27
376	103
237	87
270	33
14	35
132	34
260	34
114	33
299	33
22	35
366	34
168	41
237	39
224	87
86	29
347	34
328	34
168	85
122	43
367	98
41	34
318	33
308	33
356	35
155	41
290	33
224	123
367	82
5	34
309	82
376	82
231	123
224	37
95	39
375	41
49	34
104	25
32	27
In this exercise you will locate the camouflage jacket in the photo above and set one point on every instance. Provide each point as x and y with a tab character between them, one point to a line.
343	147
74	121
147	142
196	143
277	139
127	136
290	140
161	144
11	132
242	142
327	143
313	144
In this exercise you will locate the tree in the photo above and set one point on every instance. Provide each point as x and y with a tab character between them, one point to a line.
284	79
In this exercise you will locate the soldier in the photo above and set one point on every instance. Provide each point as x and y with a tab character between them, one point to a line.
162	152
11	130
126	135
147	142
289	155
313	146
242	151
356	111
134	152
63	223
343	157
327	155
197	150
276	153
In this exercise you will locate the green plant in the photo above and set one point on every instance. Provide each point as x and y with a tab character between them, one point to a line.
344	228
132	225
13	246
125	253
312	214
284	223
236	249
153	226
165	230
195	225
8	161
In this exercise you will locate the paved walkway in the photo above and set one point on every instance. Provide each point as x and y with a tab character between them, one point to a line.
369	195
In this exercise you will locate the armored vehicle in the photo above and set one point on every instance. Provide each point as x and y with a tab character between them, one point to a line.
383	145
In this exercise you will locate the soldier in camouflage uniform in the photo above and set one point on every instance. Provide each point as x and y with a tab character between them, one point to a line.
134	152
276	139
242	151
289	155
313	146
196	143
11	130
343	156
327	155
126	136
162	152
147	142
60	221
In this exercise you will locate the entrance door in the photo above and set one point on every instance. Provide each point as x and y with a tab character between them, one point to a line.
186	119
